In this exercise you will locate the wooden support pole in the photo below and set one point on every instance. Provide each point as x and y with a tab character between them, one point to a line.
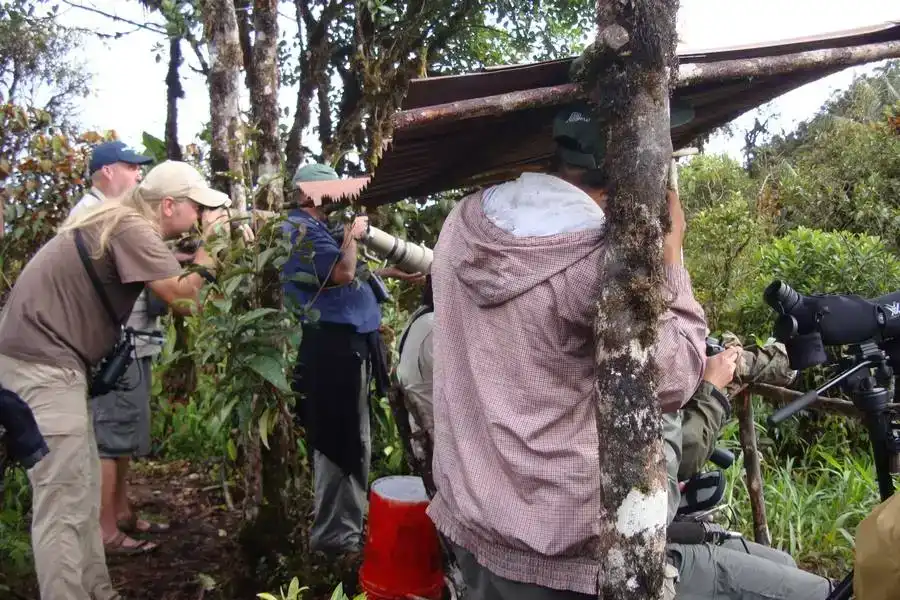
688	74
779	396
743	407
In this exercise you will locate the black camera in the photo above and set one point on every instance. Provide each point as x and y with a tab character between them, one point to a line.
110	371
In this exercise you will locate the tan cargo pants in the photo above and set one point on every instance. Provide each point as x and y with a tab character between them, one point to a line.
65	524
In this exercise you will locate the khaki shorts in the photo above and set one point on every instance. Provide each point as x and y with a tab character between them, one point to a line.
122	417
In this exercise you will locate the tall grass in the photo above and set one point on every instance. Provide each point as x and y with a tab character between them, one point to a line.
817	489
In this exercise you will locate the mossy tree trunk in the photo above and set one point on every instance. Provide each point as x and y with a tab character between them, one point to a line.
627	74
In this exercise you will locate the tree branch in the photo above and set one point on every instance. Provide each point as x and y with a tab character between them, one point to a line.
195	46
152	27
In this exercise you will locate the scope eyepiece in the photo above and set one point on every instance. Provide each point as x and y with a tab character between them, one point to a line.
781	297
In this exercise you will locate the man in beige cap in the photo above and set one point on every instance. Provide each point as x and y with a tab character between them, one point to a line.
51	339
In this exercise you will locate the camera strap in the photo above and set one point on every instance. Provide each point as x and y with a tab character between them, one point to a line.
95	279
421	311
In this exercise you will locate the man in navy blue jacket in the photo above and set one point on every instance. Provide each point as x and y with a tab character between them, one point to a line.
341	352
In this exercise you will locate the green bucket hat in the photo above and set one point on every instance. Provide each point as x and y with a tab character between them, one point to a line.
314	172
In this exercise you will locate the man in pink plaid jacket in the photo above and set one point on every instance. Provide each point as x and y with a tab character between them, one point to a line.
516	273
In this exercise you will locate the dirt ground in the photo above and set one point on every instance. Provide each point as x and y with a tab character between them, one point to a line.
198	558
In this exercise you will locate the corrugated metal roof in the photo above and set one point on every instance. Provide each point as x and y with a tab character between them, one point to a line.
453	153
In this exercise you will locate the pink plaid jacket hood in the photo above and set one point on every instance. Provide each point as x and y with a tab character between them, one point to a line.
515	456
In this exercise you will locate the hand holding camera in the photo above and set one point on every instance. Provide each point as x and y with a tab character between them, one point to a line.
213	220
721	367
356	230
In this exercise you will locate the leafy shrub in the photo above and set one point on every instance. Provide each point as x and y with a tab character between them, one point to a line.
295	592
845	178
720	245
814	499
15	541
42	174
811	262
709	180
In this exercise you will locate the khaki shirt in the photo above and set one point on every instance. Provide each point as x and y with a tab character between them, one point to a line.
139	320
53	314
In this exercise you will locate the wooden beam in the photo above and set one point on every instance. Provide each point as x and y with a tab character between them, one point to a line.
487	106
689	74
785	64
779	396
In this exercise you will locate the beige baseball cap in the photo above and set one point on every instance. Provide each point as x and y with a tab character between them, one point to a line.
177	179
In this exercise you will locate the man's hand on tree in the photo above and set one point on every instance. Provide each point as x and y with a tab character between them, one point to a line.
675	238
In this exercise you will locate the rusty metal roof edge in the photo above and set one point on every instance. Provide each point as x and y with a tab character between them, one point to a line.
686	52
822	37
386	183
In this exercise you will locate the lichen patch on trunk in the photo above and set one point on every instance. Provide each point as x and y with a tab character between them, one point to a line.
641	512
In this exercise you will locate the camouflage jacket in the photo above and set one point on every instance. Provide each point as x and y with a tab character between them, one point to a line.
706	413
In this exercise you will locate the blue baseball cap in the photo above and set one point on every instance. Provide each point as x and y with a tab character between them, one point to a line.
108	153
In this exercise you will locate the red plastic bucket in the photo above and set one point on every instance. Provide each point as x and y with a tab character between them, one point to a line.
402	555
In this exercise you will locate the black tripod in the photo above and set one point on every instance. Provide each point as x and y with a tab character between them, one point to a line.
867	375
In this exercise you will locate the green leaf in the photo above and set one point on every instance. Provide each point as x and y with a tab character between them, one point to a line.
266	596
294	589
264	428
255	315
208	583
155	147
232	450
223	304
271	370
232	285
263	258
338	593
225	413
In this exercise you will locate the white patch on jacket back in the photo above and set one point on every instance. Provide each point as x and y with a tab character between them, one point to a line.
640	512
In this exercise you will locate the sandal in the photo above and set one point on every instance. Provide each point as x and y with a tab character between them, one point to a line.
116	546
131	526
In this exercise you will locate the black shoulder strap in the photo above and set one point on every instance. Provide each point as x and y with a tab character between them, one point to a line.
422	310
95	279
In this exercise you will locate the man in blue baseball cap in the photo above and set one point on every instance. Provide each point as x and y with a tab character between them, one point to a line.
115	169
121	419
